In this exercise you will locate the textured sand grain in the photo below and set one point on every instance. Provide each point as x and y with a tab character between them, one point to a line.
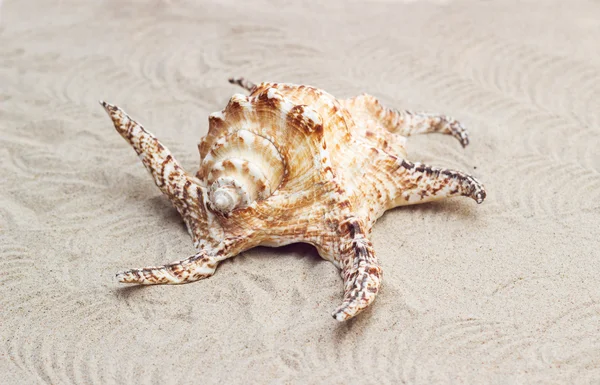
504	292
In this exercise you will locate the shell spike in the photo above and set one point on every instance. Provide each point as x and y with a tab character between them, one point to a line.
244	83
362	273
194	268
182	189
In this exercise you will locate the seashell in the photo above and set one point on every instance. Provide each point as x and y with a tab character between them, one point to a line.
291	163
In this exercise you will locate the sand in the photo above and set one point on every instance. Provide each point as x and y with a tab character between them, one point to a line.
503	292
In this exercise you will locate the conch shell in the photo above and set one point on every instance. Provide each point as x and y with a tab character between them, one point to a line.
290	163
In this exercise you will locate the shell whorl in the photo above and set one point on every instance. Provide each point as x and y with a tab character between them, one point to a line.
241	168
257	145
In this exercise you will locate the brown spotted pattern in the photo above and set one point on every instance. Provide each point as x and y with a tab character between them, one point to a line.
406	123
290	163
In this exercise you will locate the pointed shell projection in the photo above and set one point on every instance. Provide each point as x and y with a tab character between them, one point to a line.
250	144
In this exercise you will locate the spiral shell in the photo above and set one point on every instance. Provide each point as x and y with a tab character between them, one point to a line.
249	145
290	163
240	168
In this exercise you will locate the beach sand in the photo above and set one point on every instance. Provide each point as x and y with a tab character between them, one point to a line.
498	293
